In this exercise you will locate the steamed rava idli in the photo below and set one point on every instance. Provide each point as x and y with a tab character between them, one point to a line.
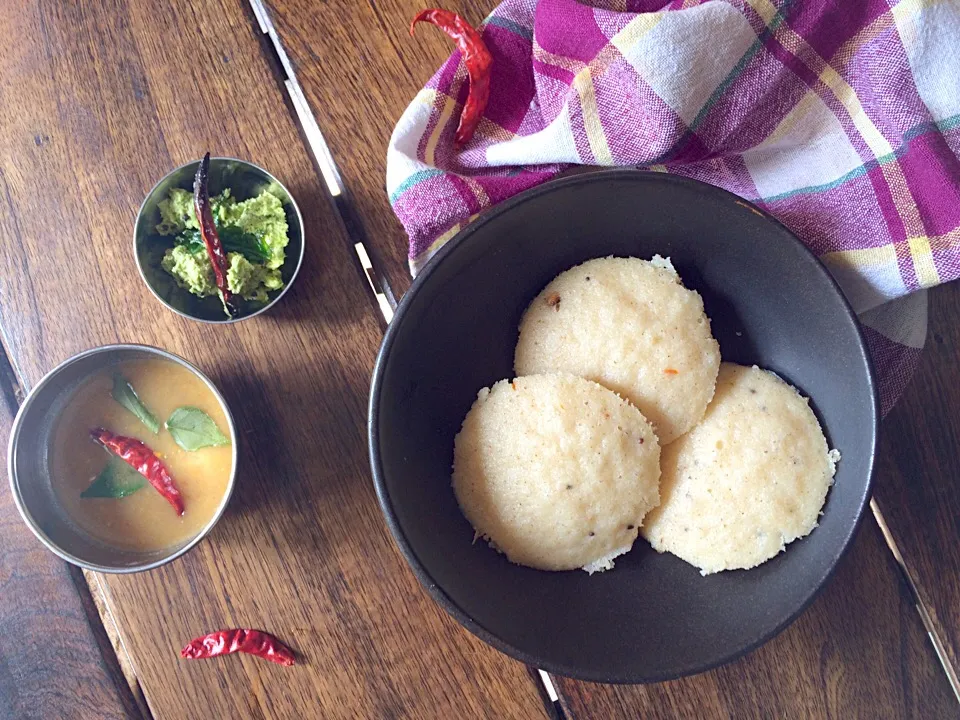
632	326
750	478
556	471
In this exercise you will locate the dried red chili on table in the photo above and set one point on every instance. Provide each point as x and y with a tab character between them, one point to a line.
225	642
208	231
142	459
479	63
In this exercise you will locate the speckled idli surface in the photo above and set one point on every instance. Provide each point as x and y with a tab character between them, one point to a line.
556	471
632	326
750	478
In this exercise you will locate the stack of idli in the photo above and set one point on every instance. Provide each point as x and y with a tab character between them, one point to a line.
562	467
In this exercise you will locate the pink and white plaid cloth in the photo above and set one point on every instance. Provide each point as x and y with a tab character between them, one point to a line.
839	117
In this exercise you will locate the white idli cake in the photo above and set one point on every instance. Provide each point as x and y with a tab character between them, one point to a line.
749	479
556	471
632	326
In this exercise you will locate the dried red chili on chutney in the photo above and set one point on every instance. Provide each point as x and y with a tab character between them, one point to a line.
208	231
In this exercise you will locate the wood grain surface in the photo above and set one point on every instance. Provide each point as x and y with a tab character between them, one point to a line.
918	481
96	110
96	107
55	659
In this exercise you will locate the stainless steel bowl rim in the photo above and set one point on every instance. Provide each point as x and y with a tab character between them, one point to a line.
14	438
226	320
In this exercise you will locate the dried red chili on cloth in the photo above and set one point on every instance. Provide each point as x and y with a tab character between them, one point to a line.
208	231
225	642
142	459
479	64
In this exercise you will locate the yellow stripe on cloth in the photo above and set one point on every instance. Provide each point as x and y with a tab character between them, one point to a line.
493	132
806	105
427	96
438	243
445	237
635	31
848	50
765	9
905	8
903	199
799	47
866	257
920	253
478	191
446	112
583	83
923	265
583	77
548	58
875	140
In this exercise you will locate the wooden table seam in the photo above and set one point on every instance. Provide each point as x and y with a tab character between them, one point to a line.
923	609
329	171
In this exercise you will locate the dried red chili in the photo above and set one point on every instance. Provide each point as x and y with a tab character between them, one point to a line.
225	642
479	63
208	231
142	459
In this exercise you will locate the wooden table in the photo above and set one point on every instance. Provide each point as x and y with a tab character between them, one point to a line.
97	102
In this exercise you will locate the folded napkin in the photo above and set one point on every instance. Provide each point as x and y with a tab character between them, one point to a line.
840	118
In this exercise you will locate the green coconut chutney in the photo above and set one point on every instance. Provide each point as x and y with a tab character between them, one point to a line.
253	233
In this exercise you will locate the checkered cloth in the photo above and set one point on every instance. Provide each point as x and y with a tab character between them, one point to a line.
841	118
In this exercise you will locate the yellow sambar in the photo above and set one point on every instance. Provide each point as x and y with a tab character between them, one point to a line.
144	520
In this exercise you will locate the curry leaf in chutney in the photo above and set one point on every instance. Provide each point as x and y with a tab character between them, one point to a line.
233	239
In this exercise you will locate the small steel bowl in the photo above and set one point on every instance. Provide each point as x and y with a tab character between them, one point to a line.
245	180
28	461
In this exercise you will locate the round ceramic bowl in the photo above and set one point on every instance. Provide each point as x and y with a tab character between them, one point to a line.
29	464
653	617
245	180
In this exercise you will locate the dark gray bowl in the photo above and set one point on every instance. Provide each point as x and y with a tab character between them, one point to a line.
771	302
246	180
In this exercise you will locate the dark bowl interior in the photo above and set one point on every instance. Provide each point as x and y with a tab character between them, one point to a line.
771	303
245	180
